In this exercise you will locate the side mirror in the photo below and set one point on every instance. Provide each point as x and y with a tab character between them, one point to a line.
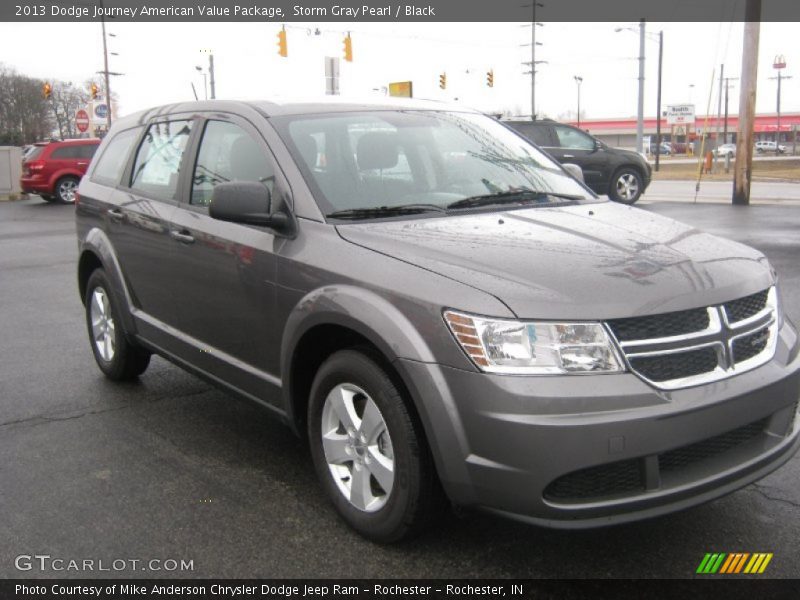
247	202
598	145
574	170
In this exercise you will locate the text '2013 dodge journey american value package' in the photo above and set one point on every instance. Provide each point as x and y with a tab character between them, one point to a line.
440	309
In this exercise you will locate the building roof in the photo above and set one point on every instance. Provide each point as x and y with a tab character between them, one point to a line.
764	123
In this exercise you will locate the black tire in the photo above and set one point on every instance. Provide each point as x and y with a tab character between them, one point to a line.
65	189
127	361
626	186
416	497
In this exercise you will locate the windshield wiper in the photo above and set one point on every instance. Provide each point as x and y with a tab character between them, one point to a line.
374	212
510	197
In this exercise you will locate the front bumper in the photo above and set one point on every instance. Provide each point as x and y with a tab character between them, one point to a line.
583	451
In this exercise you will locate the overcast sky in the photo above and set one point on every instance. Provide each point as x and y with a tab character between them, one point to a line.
158	61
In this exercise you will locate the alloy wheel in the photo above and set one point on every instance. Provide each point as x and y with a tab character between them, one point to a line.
103	330
66	190
357	447
627	186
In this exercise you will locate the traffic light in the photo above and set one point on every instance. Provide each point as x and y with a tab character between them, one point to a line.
94	90
490	78
47	91
348	48
443	81
283	48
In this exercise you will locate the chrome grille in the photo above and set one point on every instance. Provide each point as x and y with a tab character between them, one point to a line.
746	307
657	326
691	347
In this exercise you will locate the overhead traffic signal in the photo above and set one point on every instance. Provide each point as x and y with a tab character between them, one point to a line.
47	91
283	48
490	78
94	90
348	48
443	81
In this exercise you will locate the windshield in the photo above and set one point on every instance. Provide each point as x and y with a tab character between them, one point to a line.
383	159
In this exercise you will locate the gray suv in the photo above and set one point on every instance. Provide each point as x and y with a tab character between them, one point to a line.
441	310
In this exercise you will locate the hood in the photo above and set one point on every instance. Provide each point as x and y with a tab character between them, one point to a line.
590	261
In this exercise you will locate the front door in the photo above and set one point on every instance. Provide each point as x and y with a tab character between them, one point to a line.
575	146
225	272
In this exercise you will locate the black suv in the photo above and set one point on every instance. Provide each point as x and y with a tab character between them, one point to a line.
439	309
622	174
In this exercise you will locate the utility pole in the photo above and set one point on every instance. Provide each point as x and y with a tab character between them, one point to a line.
743	167
640	110
210	72
534	62
211	76
579	80
105	71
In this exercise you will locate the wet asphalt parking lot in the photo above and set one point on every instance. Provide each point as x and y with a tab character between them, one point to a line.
169	467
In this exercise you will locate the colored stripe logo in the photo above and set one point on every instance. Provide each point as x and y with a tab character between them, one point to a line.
733	563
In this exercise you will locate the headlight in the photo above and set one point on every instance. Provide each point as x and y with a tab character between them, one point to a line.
534	347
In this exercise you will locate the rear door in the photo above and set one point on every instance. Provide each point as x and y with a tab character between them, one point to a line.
139	225
83	156
225	272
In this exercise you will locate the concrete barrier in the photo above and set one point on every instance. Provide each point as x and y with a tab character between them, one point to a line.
10	172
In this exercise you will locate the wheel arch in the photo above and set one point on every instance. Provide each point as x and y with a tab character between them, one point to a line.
96	252
338	317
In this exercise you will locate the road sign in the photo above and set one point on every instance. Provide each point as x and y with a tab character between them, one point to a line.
401	89
680	114
101	110
82	120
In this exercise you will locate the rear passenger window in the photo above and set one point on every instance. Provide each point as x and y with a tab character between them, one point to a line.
86	150
112	162
65	152
227	153
155	172
538	134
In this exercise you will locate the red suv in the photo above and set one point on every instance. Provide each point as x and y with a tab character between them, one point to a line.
54	170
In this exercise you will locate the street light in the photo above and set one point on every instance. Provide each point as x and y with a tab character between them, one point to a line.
579	80
778	64
641	86
205	81
533	6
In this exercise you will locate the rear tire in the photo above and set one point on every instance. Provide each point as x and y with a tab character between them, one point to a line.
626	186
66	187
117	357
369	450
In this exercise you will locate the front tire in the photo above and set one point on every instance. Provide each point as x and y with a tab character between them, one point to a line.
369	450
118	358
66	187
626	186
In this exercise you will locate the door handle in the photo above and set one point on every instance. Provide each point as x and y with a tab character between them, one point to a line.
569	156
182	236
115	214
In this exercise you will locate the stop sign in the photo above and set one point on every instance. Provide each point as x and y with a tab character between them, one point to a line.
82	120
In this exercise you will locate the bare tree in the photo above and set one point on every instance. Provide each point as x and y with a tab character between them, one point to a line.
25	116
66	101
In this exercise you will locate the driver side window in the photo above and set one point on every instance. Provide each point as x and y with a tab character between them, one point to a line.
227	153
572	138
